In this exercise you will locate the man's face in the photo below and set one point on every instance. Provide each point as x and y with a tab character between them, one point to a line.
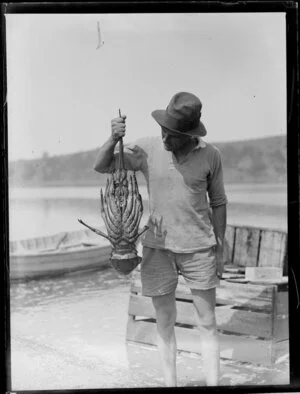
173	141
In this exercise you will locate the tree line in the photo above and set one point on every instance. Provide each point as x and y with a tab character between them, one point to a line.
257	160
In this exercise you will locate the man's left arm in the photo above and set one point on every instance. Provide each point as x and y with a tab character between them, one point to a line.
219	221
218	201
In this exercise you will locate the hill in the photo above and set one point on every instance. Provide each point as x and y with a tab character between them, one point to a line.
258	160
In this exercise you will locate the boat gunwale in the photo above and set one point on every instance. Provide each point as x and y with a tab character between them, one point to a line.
58	252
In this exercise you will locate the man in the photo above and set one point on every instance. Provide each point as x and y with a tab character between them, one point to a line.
183	235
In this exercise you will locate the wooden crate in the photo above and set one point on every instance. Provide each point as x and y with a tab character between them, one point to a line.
257	247
252	318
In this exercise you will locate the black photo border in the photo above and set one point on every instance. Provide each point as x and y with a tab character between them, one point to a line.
290	8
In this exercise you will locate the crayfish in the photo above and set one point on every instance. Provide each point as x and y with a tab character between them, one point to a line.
121	211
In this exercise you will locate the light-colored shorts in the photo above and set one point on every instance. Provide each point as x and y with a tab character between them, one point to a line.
160	269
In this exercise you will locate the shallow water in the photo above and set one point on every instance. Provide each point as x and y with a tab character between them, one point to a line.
81	315
69	332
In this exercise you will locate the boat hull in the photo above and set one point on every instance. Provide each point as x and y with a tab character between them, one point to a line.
86	254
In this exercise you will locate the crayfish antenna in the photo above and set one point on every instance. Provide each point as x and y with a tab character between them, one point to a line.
97	231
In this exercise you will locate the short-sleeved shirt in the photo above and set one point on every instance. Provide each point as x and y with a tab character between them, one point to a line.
180	193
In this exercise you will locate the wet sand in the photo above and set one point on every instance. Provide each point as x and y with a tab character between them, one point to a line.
69	333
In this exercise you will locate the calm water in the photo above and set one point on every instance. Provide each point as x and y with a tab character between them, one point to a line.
68	332
34	212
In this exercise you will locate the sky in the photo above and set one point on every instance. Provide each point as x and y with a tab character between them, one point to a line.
63	92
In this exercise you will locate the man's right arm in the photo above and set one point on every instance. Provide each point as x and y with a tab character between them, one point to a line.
106	152
105	156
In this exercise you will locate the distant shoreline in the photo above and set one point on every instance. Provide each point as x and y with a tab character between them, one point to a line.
251	162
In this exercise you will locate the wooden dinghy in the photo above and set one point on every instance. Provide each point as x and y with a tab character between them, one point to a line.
57	254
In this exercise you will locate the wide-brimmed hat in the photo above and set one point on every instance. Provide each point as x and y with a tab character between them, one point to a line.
182	115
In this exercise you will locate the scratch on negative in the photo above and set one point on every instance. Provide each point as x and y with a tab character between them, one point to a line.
296	287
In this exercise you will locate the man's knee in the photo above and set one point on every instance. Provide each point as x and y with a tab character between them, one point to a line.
204	302
165	308
206	323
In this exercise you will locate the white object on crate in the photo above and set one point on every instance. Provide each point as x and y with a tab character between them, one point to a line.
259	274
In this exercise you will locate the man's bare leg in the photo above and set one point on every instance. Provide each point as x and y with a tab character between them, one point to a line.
205	301
165	307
